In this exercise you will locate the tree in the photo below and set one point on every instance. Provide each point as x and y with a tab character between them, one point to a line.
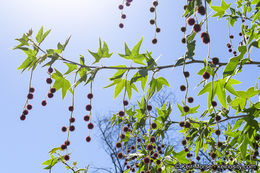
235	144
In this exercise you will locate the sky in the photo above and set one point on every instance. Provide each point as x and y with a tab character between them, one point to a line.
25	145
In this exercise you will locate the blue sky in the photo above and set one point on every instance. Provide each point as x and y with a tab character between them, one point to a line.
25	145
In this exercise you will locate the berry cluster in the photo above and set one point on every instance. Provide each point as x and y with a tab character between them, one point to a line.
154	21
88	117
123	15
52	90
27	106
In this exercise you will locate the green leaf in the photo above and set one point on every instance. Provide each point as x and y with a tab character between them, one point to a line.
251	92
135	50
231	66
160	82
119	87
72	67
221	93
41	36
61	83
243	147
180	156
237	124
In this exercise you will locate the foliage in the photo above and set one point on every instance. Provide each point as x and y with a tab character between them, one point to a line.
237	144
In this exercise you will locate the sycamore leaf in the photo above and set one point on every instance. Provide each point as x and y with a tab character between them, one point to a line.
71	67
119	87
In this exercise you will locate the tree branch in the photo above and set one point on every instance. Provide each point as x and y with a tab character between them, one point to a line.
138	68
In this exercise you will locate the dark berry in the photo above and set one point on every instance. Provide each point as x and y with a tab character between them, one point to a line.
186	150
187	124
154	41
22	117
50	70
203	34
190	99
90	96
206	75
213	103
122	136
230	50
66	157
217	132
182	87
219	144
52	90
182	123
72	128
218	118
90	126
123	16
152	139
120	155
201	10
154	125
155	3
183	40
158	162
231	36
121	25
125	129
71	108
50	95
72	119
149	147
30	96
188	155
186	108
63	146
44	103
25	112
190	21
257	137
132	147
229	45
183	29
158	30
185	7
183	142
49	80
121	113
206	39
88	138
146	160
213	155
64	129
152	21
121	7
29	107
186	74
88	107
240	34
197	28
67	142
149	107
118	145
31	90
86	117
198	157
152	9
125	103
215	60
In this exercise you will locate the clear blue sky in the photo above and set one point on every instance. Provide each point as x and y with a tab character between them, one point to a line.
25	145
